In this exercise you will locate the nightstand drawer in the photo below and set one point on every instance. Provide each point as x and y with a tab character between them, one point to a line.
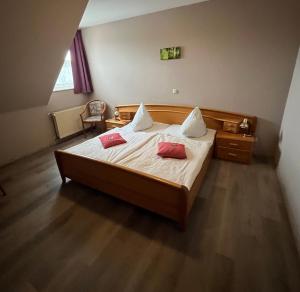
236	144
233	154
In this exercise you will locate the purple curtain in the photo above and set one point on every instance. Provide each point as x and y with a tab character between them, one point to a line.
80	66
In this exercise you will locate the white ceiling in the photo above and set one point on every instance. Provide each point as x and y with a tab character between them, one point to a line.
103	11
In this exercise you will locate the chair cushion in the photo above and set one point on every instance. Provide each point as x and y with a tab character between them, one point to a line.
110	140
95	108
92	119
171	150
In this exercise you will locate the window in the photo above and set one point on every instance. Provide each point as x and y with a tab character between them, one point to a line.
65	77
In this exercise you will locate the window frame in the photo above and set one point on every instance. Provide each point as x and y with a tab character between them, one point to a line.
64	86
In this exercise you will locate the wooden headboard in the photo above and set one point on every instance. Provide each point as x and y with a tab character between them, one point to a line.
176	114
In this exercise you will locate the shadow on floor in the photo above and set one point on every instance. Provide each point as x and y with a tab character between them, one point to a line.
146	223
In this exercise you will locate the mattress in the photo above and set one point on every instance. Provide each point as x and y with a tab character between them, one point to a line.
139	153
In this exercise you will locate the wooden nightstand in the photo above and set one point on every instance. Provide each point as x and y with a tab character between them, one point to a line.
112	123
234	147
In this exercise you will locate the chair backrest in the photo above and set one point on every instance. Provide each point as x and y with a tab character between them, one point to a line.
96	107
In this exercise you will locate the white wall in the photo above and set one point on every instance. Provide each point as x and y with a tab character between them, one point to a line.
35	36
289	163
24	132
237	56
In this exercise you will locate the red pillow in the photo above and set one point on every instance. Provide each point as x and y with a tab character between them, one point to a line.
171	150
112	140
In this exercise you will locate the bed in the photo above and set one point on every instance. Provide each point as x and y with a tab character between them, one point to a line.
132	171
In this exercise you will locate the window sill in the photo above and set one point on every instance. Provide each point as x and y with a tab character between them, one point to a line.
63	89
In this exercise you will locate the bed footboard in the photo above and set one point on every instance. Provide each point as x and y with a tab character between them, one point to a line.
143	190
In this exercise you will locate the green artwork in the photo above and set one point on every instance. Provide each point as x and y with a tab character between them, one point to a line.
170	53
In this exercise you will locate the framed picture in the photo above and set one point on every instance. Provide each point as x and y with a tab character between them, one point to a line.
170	53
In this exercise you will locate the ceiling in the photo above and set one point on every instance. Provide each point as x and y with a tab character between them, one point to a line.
103	11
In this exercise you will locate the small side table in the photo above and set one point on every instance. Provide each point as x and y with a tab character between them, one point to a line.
2	191
112	123
234	147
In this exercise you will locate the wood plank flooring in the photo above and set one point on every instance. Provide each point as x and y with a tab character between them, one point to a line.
72	238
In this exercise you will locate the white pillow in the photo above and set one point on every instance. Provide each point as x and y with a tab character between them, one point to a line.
194	125
142	119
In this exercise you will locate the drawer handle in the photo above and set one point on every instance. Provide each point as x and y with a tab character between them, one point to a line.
232	154
233	144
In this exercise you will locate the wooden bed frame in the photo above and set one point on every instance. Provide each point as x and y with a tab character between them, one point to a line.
169	199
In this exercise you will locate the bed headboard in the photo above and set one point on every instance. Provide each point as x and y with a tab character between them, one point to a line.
176	114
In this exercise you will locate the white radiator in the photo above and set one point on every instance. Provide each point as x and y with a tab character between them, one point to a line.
67	122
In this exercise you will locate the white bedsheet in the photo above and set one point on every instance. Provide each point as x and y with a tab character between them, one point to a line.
139	152
174	130
93	148
180	171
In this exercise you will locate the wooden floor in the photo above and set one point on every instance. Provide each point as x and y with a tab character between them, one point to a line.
72	238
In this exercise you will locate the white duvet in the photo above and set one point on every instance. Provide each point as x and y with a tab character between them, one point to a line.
93	148
180	171
139	152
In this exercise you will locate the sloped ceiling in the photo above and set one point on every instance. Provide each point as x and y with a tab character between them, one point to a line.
35	36
104	11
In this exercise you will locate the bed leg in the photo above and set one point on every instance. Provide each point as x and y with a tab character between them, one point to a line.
182	225
184	209
63	178
2	191
58	161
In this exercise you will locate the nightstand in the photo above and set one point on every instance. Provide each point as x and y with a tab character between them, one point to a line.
234	147
112	123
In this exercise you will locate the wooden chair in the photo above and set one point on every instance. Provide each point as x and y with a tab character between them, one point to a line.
93	114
